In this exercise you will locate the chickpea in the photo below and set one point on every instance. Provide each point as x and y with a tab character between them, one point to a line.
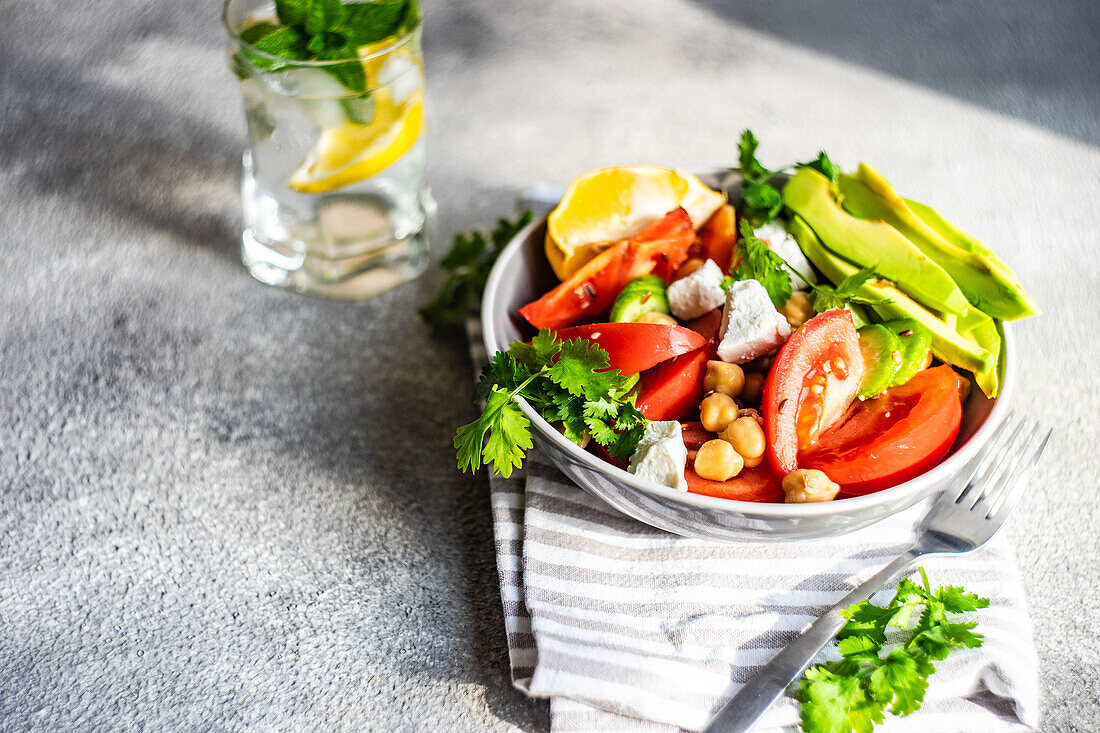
725	378
798	309
662	319
716	411
753	389
804	485
689	267
747	438
718	461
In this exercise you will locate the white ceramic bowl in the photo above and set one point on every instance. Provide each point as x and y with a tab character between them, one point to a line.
521	274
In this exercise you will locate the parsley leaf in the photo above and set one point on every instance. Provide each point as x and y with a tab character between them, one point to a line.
757	262
828	297
566	382
853	693
468	263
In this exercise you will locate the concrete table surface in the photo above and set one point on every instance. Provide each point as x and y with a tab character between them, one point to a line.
226	506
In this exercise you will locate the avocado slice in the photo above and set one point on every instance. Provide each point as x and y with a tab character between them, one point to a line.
645	294
916	343
947	345
882	356
868	195
964	241
871	243
989	334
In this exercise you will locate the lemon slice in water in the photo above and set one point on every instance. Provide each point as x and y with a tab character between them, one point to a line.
348	153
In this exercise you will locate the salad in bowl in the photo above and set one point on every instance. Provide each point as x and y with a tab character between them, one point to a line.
746	352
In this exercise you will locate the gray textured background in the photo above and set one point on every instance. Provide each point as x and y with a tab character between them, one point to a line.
227	506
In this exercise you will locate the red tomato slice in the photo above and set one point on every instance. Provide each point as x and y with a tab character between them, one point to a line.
752	484
719	236
673	390
659	249
635	347
894	437
812	381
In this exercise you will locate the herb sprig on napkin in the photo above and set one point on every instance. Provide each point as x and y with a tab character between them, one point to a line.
854	693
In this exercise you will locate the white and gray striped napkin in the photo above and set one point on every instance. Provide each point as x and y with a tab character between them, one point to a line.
627	628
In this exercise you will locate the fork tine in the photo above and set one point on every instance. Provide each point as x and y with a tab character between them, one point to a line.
1003	479
981	461
995	456
1001	508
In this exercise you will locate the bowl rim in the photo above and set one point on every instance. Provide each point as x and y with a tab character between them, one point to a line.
946	469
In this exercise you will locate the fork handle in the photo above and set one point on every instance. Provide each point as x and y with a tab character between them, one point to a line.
750	702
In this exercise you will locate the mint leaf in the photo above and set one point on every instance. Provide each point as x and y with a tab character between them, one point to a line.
287	43
291	12
324	15
370	22
254	33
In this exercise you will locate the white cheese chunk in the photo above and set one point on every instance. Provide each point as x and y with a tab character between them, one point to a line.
661	456
784	245
751	326
698	293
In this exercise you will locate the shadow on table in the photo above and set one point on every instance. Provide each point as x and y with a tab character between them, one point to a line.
116	152
1039	62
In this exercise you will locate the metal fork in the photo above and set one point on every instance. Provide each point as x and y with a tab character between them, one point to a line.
960	521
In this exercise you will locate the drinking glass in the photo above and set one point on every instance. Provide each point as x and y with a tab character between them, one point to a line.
333	191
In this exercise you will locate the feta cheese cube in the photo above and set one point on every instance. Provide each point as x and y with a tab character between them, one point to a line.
784	245
751	326
698	293
661	456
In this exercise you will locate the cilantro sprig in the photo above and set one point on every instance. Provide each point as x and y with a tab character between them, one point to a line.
326	30
566	382
854	693
468	263
828	297
761	201
756	261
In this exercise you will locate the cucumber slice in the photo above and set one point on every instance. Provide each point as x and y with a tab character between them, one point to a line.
646	294
916	344
881	350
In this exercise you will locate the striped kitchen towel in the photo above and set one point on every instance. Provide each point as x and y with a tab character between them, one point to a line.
627	628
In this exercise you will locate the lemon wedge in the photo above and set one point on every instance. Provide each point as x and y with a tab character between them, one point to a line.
606	205
348	153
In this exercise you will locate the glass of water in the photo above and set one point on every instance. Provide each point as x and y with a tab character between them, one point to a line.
333	190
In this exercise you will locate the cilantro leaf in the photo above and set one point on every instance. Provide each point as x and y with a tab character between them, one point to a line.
823	165
580	369
568	383
762	201
853	693
758	262
468	263
828	297
750	166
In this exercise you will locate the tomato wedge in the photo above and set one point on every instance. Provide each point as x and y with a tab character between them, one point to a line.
894	437
812	381
635	347
719	236
752	484
659	249
673	390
